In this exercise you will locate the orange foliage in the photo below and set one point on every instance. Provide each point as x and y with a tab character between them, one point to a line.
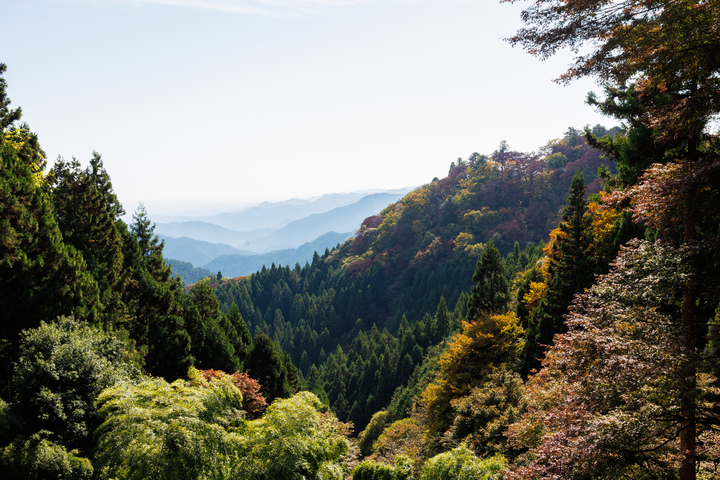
254	402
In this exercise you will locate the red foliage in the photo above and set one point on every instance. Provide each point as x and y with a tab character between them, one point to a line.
512	230
372	222
358	267
253	401
359	245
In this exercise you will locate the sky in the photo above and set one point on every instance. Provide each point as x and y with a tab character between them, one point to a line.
201	106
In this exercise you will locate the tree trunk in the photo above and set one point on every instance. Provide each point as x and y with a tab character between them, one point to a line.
688	434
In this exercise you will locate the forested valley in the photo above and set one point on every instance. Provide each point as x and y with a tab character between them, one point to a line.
551	314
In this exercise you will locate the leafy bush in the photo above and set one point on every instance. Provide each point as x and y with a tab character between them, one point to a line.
367	437
63	367
370	470
179	431
40	458
460	464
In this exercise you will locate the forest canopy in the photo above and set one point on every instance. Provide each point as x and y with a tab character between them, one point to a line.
549	314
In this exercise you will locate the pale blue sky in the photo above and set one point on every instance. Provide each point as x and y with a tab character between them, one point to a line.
194	102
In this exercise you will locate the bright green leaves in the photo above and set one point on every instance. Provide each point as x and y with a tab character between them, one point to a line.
461	464
294	440
160	430
63	367
176	431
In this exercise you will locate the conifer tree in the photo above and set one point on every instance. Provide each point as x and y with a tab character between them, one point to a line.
242	340
40	276
571	269
88	212
7	116
491	292
271	368
441	322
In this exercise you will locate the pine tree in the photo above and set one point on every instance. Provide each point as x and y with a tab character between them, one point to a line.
40	276
491	292
88	213
571	269
441	322
7	116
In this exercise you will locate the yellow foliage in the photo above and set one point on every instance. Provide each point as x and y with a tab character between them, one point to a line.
532	298
462	241
603	222
478	219
482	346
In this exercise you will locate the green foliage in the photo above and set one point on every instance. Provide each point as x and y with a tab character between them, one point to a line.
370	470
40	276
491	292
571	269
8	423
482	417
7	115
38	458
295	441
169	431
367	437
441	322
272	368
163	431
87	212
460	464
186	271
62	368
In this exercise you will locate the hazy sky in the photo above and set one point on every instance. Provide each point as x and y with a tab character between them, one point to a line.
195	102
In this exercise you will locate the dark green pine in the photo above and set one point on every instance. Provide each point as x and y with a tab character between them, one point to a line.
491	293
571	270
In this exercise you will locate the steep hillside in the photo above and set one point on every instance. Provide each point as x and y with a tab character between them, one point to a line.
416	254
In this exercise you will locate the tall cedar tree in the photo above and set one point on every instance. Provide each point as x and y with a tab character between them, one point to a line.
441	322
571	269
7	115
40	276
88	212
156	303
271	368
491	293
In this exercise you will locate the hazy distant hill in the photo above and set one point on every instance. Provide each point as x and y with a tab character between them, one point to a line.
278	214
342	219
240	265
197	252
209	232
346	218
187	272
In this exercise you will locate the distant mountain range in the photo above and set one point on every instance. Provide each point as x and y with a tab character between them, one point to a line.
241	265
197	252
283	233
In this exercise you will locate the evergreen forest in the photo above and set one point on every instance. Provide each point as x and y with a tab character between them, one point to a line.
532	315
